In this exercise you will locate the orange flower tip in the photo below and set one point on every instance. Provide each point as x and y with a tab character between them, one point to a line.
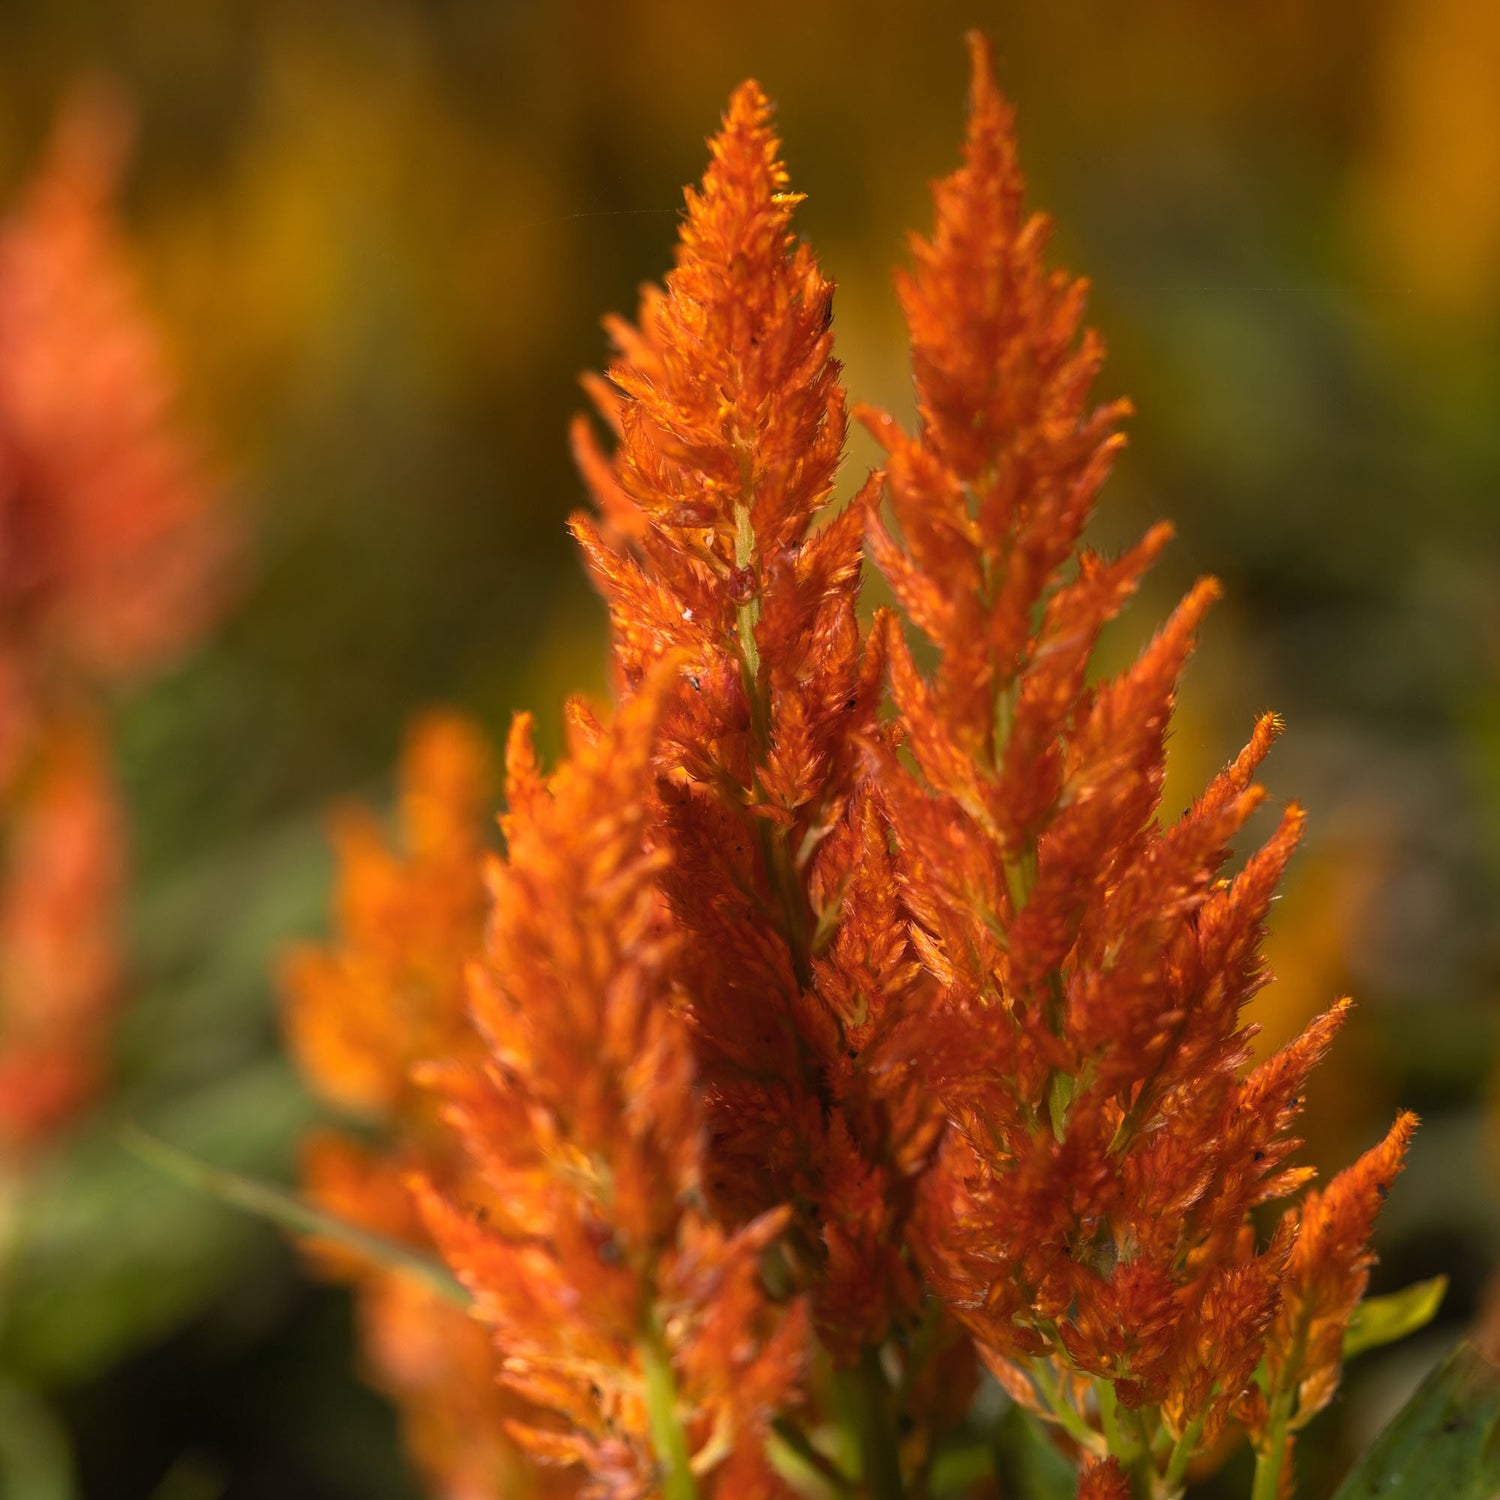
1404	1128
95	134
620	334
1193	608
747	104
520	750
1341	1007
983	89
867	497
1208	590
881	425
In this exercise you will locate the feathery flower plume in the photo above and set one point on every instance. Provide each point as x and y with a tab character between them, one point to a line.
1089	1219
816	1058
729	415
112	552
633	1323
112	545
359	1017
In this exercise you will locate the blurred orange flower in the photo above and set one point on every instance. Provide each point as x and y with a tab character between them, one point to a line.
360	1016
113	550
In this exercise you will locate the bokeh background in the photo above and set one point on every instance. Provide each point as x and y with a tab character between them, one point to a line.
380	234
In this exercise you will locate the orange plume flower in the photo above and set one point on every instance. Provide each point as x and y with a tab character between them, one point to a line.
730	419
359	1017
112	554
1089	1220
112	545
634	1324
818	1056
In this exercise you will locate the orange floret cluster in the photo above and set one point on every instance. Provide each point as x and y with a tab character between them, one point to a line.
359	1016
111	560
840	1027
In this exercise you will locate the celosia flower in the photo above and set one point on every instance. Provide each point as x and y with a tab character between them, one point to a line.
111	557
818	1056
731	425
112	545
634	1323
359	1016
1089	1220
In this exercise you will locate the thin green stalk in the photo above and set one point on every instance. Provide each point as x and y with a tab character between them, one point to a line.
1182	1456
12	1195
1061	1411
1271	1459
667	1436
796	1441
288	1212
1125	1448
874	1425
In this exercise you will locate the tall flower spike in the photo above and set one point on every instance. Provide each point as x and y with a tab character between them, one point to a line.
112	544
1088	1218
111	553
635	1325
730	423
359	1016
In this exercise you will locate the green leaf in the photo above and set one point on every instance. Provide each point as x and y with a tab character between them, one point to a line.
282	1208
1027	1465
1383	1320
1444	1444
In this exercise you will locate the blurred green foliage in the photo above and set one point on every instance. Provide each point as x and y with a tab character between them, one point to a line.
382	232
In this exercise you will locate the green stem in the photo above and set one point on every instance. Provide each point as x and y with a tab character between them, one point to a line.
796	1441
869	1401
1182	1456
12	1206
1061	1410
1127	1450
1271	1459
667	1436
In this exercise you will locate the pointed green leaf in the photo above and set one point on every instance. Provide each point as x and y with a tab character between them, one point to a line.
290	1213
1383	1320
1027	1465
1444	1444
